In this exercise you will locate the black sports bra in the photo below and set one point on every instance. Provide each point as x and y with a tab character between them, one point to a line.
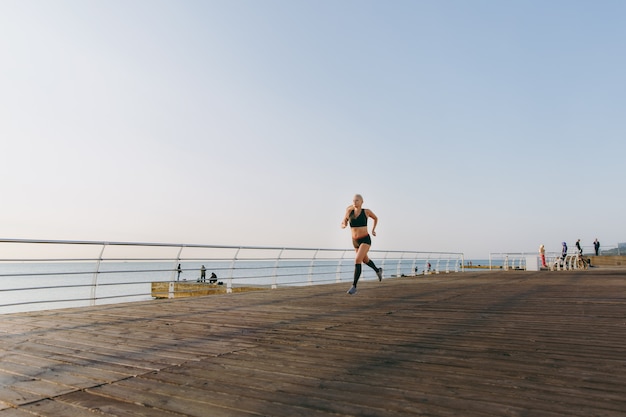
359	221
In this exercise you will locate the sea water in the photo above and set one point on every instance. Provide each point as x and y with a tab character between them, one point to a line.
29	286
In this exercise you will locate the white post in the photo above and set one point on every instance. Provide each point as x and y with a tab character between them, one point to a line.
94	281
310	278
275	277
338	275
229	282
176	262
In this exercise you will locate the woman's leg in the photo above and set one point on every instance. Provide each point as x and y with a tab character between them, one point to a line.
371	264
361	254
361	257
357	274
367	261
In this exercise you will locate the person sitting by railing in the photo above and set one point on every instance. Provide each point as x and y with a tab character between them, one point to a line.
212	278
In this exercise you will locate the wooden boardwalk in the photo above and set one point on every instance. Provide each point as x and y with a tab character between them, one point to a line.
466	344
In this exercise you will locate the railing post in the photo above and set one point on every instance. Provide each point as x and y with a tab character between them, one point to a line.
275	278
399	267
338	275
229	282
176	263
310	278
384	258
171	288
94	281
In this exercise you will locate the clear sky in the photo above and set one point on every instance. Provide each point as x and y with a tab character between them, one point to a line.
468	125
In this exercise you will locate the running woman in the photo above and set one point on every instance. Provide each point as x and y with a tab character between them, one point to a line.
357	216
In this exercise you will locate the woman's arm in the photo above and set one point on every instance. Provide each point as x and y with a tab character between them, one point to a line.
371	214
346	217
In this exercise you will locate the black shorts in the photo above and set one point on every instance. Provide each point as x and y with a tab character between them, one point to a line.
358	242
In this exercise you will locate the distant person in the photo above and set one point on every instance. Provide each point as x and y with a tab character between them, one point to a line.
212	278
596	247
542	253
203	274
357	216
179	270
563	253
580	250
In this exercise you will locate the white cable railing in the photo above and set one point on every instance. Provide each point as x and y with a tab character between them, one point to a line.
508	260
555	261
519	260
47	274
571	261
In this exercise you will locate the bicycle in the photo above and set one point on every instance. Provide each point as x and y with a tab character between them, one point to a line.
581	262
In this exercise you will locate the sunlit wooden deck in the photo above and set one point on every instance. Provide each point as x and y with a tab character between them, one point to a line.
473	344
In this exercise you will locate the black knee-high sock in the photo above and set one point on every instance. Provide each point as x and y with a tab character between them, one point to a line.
357	273
372	265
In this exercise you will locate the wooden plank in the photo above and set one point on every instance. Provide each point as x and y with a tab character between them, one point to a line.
110	406
15	397
49	407
60	375
13	412
82	376
192	402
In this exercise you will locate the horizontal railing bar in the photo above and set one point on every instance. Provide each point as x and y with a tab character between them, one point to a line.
48	287
51	260
71	300
26	274
160	259
44	274
187	245
120	283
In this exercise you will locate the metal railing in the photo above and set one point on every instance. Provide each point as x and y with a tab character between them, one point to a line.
48	274
516	259
508	260
519	261
558	262
605	250
611	250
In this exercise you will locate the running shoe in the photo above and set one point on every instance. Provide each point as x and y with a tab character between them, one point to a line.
352	290
380	274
